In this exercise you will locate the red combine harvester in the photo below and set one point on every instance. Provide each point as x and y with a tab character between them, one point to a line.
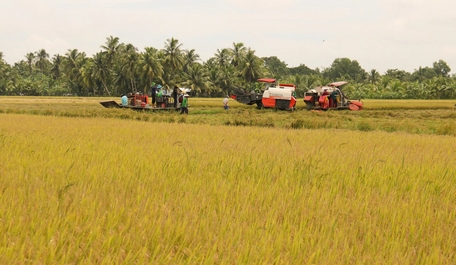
279	96
330	97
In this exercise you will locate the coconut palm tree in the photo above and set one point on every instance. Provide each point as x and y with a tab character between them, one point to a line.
150	65
173	57
88	79
121	81
41	60
128	63
55	66
30	59
111	49
227	79
213	80
190	57
100	70
72	64
250	67
298	81
237	52
4	75
373	76
222	57
311	81
197	79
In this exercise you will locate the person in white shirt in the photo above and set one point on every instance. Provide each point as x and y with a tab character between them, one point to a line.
225	103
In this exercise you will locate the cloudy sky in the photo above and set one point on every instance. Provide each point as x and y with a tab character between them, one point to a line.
379	34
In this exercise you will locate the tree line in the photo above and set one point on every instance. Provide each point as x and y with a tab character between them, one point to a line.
120	68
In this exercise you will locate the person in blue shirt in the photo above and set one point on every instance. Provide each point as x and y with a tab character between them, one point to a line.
124	100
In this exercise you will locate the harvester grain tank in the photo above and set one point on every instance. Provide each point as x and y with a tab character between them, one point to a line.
330	97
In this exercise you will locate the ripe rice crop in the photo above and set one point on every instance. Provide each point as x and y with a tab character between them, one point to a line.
379	104
109	191
410	116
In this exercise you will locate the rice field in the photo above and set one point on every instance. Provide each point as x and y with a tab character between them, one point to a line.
101	188
409	116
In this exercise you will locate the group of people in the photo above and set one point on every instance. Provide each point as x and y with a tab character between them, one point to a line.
176	95
333	96
182	98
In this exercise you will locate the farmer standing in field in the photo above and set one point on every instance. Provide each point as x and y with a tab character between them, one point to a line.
153	93
333	97
184	105
225	103
175	94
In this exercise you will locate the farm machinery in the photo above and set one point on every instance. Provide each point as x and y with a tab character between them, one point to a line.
330	97
274	95
139	101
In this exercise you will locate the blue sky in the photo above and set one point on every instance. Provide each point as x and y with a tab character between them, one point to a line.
381	35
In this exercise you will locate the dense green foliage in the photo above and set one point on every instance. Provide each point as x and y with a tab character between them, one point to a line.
120	68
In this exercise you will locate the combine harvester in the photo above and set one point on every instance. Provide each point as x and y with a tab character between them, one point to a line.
278	96
138	101
330	97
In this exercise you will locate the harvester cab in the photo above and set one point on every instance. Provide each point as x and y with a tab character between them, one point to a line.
330	97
